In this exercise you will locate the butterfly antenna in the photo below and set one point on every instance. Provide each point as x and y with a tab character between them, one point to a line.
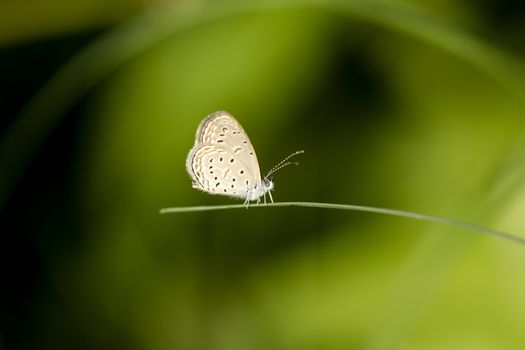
284	162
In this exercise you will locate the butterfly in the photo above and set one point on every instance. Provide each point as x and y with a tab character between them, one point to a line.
223	161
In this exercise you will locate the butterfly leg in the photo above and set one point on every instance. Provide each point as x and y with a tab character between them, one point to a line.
270	195
247	200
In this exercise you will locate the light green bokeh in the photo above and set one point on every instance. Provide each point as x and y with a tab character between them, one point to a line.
434	152
302	278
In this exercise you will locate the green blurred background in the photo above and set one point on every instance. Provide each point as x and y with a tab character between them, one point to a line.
397	104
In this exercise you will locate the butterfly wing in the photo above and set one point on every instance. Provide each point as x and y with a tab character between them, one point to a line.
216	126
215	170
223	160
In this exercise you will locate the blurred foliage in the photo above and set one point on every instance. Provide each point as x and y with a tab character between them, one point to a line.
397	104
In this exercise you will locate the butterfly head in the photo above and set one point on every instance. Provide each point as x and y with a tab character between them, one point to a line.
268	184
